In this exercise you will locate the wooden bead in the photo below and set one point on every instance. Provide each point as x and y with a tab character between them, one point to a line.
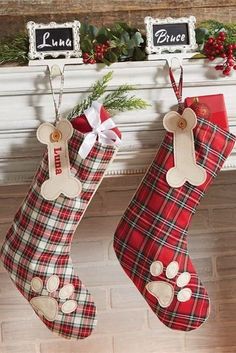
182	123
56	135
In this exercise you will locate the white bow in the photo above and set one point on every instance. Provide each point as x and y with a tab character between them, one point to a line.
101	130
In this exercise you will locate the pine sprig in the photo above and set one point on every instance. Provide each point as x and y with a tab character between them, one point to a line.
97	90
14	49
118	100
118	93
115	101
122	104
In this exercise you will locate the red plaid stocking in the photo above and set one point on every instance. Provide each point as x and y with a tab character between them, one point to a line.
150	241
36	251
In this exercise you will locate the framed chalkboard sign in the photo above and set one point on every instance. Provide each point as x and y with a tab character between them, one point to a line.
54	40
170	34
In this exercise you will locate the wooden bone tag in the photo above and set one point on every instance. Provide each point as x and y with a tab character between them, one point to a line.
185	166
60	180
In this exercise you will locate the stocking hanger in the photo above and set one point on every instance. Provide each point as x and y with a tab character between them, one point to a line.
56	66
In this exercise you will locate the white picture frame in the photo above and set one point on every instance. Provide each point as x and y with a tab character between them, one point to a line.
35	53
183	48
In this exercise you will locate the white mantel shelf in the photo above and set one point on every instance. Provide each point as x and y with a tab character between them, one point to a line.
25	102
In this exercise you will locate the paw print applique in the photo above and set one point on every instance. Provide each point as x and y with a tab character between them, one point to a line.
48	306
164	291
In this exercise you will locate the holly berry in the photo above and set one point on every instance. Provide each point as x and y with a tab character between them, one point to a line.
100	51
215	47
97	53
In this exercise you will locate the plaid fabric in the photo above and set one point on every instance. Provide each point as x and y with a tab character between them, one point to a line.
154	227
38	242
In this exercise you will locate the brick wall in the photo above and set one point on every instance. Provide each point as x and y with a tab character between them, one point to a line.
15	13
126	325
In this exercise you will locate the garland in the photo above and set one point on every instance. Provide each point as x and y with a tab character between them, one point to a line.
121	42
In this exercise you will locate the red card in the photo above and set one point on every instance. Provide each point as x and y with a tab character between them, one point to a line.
211	107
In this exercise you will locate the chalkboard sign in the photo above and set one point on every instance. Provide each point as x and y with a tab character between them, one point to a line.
53	40
170	35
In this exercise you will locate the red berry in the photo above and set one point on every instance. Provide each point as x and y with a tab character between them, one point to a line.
226	71
231	62
85	55
99	56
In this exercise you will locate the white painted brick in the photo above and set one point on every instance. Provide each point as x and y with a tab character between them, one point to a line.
14	191
127	297
223	218
121	321
200	220
206	244
9	294
26	330
196	349
161	341
11	312
94	228
220	335
117	201
96	206
8	208
204	267
3	230
121	182
228	177
221	289
219	195
100	297
89	345
105	275
227	311
111	252
89	251
21	348
226	265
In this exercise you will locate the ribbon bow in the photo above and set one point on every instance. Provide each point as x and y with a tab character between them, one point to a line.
100	130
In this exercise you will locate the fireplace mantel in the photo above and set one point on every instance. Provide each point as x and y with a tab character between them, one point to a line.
25	102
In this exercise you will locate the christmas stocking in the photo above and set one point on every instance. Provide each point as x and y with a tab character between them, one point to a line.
36	252
151	239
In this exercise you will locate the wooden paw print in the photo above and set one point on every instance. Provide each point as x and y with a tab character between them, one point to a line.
47	305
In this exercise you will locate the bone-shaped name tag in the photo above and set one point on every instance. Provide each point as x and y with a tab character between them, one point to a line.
185	166
60	180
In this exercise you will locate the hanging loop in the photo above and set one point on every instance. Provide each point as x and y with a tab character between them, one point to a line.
55	71
178	88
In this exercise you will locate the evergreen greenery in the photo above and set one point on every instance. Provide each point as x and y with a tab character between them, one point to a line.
14	49
118	100
125	42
